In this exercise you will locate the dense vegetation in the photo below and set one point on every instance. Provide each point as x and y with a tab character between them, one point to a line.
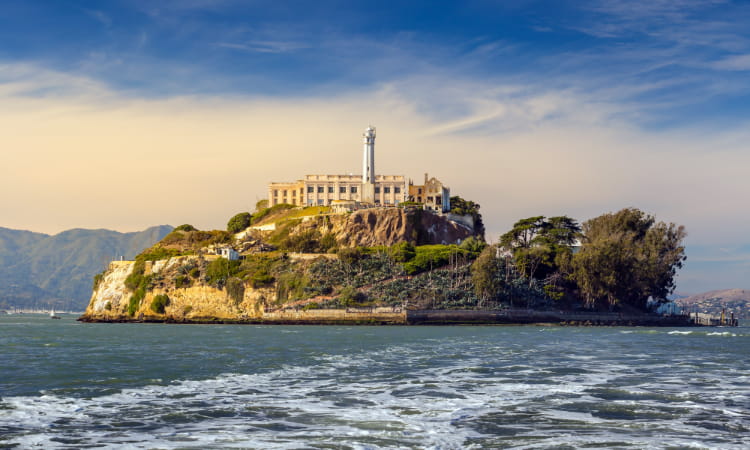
617	260
626	259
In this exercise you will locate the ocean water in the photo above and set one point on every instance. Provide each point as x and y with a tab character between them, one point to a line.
65	384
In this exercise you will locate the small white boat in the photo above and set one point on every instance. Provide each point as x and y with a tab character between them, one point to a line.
52	315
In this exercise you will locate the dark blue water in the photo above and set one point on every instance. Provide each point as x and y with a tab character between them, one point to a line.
69	385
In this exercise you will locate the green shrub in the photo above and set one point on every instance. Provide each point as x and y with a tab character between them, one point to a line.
351	297
473	245
137	297
185	227
430	257
97	280
220	269
172	238
291	286
261	278
187	309
350	255
311	305
181	281
239	222
402	252
136	275
328	243
195	272
308	241
159	303
108	306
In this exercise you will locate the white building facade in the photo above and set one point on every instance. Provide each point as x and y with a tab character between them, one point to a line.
321	190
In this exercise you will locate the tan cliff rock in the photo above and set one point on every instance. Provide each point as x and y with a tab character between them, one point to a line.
372	227
110	298
198	300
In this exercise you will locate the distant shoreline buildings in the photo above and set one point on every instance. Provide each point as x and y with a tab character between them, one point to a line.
368	189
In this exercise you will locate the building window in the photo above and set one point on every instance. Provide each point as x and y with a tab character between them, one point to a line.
387	190
377	190
301	191
353	190
284	192
310	189
320	189
397	190
330	189
419	191
342	189
320	201
419	199
275	192
294	193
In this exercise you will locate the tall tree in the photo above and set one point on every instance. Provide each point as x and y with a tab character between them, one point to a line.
538	243
627	257
488	275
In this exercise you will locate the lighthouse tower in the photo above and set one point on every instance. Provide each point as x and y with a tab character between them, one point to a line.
368	166
368	161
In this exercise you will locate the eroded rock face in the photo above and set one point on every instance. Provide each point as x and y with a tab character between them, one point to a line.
111	295
370	227
110	299
388	226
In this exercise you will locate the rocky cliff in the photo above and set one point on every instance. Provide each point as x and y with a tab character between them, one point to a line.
183	279
373	227
199	300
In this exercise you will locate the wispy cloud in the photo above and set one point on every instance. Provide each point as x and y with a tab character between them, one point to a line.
265	46
734	62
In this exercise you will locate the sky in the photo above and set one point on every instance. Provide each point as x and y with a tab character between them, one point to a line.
125	114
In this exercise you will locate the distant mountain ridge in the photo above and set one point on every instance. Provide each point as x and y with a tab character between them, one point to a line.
735	301
44	271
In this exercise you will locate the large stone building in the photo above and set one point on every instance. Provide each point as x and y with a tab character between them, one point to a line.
366	189
433	194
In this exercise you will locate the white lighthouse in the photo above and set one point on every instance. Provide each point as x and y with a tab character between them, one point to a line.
368	156
368	166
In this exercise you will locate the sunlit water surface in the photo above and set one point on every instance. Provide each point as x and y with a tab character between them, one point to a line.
65	384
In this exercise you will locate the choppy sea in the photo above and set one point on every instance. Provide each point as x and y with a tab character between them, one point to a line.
65	384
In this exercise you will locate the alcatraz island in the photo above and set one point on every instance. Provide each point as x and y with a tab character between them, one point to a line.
380	249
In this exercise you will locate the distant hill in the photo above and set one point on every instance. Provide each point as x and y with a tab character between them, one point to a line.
735	301
42	271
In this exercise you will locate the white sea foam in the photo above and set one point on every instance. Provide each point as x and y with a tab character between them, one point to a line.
401	396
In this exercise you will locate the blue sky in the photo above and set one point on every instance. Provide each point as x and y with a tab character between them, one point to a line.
668	62
643	103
